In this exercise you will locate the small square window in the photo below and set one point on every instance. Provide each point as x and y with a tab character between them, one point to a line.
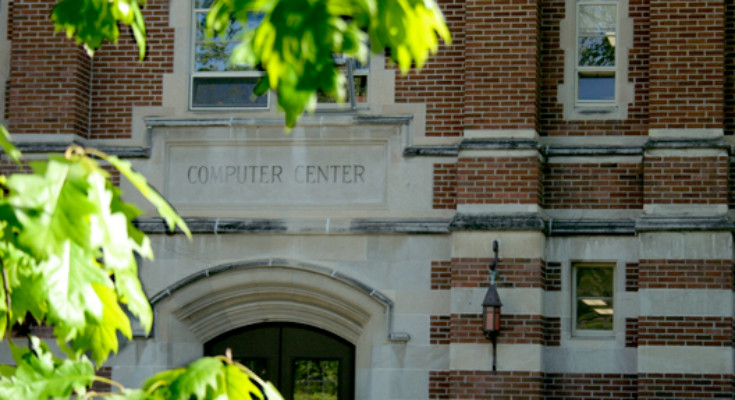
593	306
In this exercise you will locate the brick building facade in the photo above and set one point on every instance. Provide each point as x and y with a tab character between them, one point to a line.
591	138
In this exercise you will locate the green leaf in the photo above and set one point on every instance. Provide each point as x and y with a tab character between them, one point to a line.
52	206
238	386
100	338
40	375
92	22
163	379
110	233
139	32
8	146
200	377
69	283
7	370
271	393
164	208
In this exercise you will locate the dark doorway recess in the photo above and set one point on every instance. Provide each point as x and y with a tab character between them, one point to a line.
304	363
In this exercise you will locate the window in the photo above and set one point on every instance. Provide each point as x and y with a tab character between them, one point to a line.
359	81
593	308
215	84
596	51
596	36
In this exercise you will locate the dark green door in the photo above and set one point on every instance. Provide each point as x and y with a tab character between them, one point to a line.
304	363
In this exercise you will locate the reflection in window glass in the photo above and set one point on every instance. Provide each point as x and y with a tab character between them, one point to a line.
226	92
596	40
596	51
215	82
594	297
316	379
596	87
597	19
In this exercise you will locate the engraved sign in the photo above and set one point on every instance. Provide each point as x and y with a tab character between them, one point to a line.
307	174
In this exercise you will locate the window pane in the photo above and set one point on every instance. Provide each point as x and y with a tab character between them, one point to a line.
597	19
594	282
596	51
226	92
316	380
601	88
212	57
594	297
594	317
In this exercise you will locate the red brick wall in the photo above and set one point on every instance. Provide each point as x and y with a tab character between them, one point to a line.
445	186
631	277
9	33
6	99
729	92
687	64
439	385
685	274
49	90
514	329
441	275
501	58
685	180
512	272
500	180
553	276
631	332
685	386
439	329
552	331
484	385
593	186
551	75
590	386
440	84
577	386
121	82
685	331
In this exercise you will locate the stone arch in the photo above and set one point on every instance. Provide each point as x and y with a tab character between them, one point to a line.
230	296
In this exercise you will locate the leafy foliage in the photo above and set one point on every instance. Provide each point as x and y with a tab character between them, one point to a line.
92	22
41	375
295	43
67	257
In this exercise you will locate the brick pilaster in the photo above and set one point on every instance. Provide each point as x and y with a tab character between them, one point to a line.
502	40
49	75
686	64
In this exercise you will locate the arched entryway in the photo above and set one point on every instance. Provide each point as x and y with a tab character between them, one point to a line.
305	363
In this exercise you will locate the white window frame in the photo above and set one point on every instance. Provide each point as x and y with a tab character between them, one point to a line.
592	332
216	74
567	91
596	69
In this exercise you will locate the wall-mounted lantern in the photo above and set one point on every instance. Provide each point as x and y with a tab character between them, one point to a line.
491	307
